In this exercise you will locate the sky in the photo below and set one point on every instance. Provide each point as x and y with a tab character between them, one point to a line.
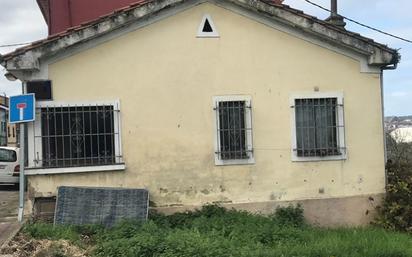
21	21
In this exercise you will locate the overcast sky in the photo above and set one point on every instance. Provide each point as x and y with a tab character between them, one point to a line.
21	21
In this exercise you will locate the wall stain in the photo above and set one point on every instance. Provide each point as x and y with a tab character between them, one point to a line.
205	191
277	195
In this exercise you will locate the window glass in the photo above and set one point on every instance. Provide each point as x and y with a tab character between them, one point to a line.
316	127
78	136
232	130
7	155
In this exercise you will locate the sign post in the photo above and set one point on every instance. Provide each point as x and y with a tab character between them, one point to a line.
22	109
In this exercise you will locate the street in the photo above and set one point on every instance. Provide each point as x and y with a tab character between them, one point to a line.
9	199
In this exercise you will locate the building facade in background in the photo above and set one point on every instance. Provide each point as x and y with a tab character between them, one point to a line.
12	135
4	109
249	104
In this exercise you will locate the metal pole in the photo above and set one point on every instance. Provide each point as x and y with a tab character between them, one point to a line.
21	186
334	7
383	117
22	159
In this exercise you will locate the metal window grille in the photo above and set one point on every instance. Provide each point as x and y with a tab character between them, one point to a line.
232	130
74	136
317	127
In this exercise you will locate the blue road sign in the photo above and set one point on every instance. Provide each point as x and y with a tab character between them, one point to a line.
22	108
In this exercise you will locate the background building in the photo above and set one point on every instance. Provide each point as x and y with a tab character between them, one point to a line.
4	107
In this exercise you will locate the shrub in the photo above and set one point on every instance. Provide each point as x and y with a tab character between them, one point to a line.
291	215
395	213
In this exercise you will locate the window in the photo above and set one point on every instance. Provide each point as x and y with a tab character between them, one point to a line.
207	27
77	135
8	155
318	127
233	130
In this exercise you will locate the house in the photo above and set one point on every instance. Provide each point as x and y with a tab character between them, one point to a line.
12	135
402	135
250	104
8	132
4	109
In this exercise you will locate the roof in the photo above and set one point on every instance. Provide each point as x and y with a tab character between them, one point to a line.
27	58
63	14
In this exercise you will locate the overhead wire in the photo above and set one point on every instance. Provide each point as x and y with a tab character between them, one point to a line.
361	24
17	44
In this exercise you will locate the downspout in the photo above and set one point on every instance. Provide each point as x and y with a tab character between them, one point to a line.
393	67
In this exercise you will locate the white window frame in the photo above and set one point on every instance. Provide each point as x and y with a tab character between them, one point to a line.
340	125
213	34
35	150
249	133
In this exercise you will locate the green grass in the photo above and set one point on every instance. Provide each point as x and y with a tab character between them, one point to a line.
214	231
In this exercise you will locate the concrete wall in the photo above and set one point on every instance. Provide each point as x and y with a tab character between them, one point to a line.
165	79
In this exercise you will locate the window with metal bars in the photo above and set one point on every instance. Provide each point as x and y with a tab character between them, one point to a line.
234	131
73	136
319	127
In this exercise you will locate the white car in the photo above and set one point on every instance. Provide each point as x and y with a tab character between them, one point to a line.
9	165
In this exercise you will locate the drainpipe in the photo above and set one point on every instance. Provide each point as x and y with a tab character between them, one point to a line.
393	67
334	17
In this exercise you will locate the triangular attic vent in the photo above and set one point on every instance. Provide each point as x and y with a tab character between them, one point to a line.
207	27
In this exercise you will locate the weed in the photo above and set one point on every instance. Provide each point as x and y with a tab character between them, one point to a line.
215	231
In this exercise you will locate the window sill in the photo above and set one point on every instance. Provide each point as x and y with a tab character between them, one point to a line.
207	36
234	162
318	159
68	170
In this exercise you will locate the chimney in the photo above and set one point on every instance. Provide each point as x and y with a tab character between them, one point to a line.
334	17
278	2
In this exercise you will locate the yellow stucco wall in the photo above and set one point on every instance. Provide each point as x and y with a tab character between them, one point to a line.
165	79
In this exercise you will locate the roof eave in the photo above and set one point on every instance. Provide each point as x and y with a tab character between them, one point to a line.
378	54
27	58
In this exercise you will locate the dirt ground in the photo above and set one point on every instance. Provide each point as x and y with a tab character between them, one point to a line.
24	246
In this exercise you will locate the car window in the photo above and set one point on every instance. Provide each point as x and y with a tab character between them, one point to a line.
7	155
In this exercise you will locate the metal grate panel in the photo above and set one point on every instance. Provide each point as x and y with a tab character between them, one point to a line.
317	127
74	136
232	130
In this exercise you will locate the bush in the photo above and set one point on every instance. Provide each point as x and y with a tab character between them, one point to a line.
291	216
395	213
